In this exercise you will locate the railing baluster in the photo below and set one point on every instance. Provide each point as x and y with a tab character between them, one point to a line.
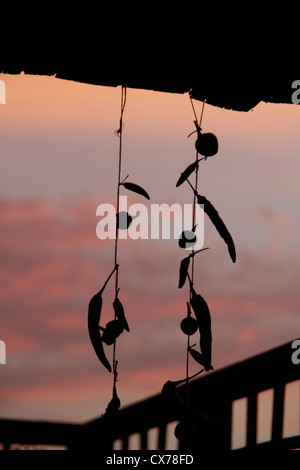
162	437
125	443
277	422
225	430
251	419
144	439
181	445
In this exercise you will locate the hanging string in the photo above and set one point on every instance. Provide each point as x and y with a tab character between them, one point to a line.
194	111
119	133
192	280
202	113
196	179
194	214
196	184
193	257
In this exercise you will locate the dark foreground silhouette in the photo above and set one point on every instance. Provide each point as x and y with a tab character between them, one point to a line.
210	396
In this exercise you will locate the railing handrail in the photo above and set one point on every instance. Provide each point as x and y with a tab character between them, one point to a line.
212	393
252	375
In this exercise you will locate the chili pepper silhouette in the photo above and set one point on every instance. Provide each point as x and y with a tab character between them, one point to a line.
184	430
215	218
183	270
123	220
94	315
136	189
184	266
219	224
120	314
202	314
189	326
187	172
200	359
112	331
187	239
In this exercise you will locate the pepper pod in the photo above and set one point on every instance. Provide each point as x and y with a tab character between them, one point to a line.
120	314
202	314
187	172
184	267
200	359
112	331
184	430
215	218
189	325
123	220
94	314
206	143
187	239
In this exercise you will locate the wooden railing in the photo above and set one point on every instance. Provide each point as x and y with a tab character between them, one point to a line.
211	395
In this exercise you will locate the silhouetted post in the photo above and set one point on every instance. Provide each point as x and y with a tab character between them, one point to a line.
277	423
251	419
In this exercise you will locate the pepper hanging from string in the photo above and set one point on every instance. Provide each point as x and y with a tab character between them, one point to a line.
116	302
207	145
191	278
99	335
123	221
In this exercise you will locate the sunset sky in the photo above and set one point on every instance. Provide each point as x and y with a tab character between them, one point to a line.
58	162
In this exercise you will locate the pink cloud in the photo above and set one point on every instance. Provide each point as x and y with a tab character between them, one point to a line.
50	268
279	225
247	334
